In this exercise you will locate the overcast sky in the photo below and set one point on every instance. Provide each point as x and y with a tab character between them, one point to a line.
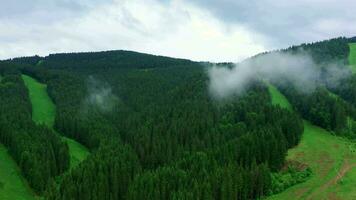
209	30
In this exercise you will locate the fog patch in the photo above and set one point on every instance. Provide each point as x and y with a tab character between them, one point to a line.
99	96
298	69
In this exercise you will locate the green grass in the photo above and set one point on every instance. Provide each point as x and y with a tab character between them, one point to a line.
345	186
326	155
43	109
77	151
333	95
43	112
12	184
278	98
39	63
352	57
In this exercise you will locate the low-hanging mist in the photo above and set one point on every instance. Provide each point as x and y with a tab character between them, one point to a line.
298	69
100	96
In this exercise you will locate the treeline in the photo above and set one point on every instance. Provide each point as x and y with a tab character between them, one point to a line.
30	60
321	106
325	52
38	151
346	89
106	174
109	59
352	40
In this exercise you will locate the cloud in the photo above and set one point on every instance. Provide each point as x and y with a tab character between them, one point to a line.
172	28
209	30
45	11
297	69
286	23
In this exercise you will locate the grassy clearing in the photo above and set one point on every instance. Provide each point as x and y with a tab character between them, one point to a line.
345	187
278	98
43	112
326	156
77	152
12	184
39	63
333	95
352	56
329	157
43	109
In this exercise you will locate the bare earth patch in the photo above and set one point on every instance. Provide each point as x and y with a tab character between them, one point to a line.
326	162
344	169
333	196
300	192
299	166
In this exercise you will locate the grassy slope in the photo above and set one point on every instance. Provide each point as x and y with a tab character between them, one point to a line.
12	184
346	185
43	112
278	98
77	152
352	56
327	156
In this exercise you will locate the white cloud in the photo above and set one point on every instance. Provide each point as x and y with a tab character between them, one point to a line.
298	69
286	23
172	29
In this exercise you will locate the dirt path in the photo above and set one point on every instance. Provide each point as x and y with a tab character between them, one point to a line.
344	169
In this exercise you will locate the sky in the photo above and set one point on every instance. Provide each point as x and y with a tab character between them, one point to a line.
201	30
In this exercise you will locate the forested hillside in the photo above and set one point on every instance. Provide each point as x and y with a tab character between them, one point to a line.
320	106
154	130
38	151
161	124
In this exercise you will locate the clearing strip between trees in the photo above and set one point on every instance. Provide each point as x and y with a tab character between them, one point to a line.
43	112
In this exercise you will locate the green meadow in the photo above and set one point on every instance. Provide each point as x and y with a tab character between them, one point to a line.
12	184
278	98
352	56
329	157
43	109
77	152
43	112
